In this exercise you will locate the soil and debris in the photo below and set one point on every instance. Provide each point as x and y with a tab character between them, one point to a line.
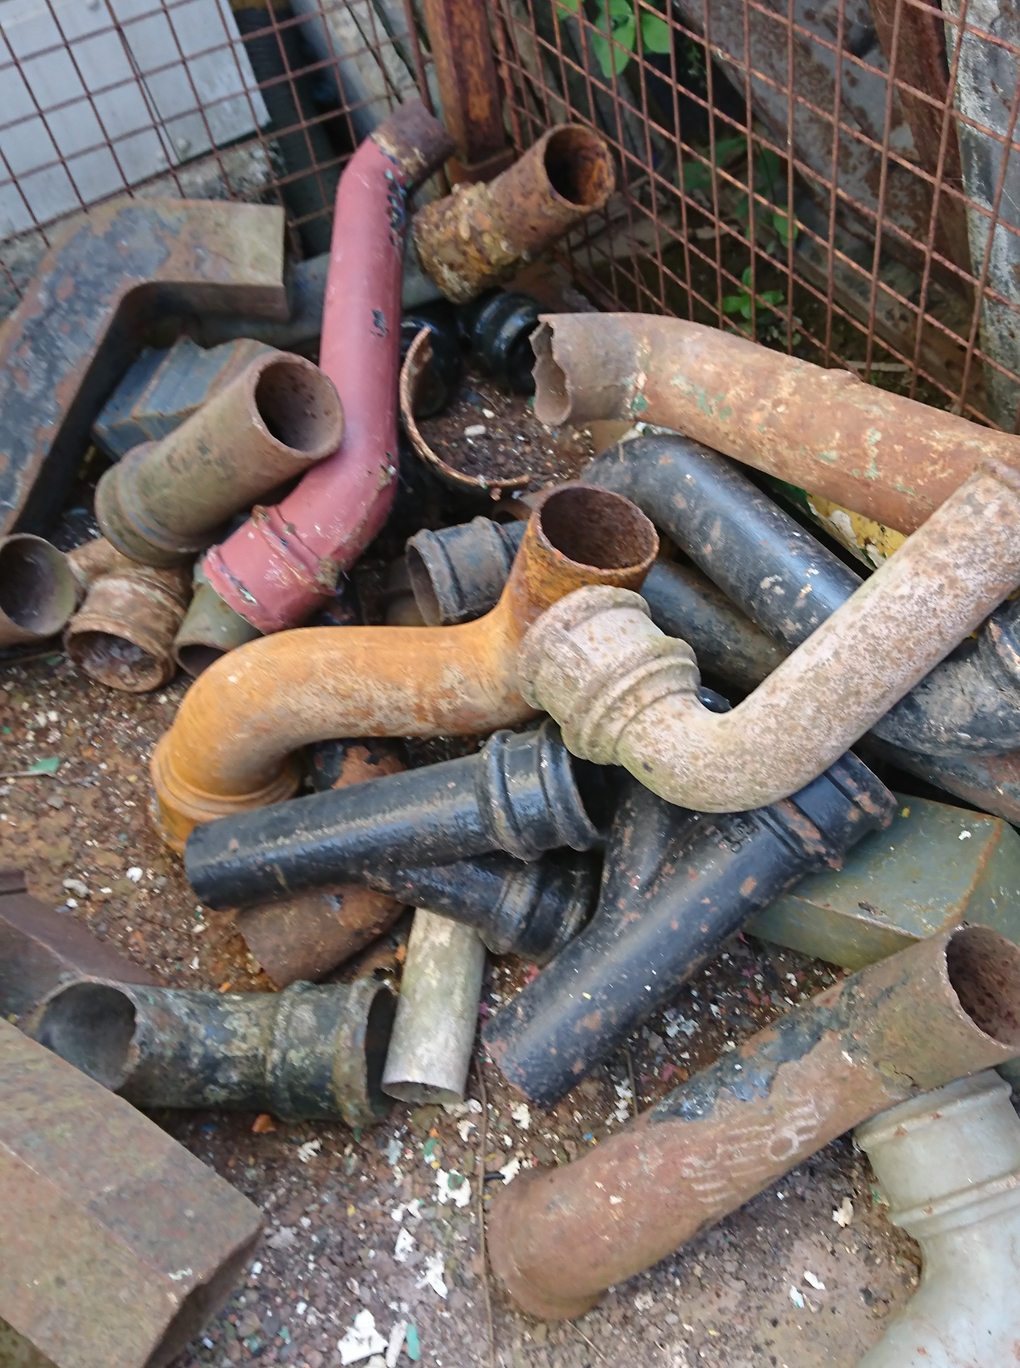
372	1242
486	430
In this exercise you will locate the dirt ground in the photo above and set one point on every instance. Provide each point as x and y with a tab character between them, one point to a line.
357	1222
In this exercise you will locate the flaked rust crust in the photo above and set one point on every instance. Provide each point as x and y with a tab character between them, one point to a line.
307	935
83	319
482	233
123	633
891	458
940	1009
414	369
229	746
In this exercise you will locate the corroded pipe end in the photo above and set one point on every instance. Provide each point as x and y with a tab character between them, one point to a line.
578	536
415	141
168	500
594	661
586	371
123	634
210	629
482	233
37	589
92	1026
178	806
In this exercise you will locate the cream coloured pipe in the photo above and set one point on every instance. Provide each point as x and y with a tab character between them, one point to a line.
949	1163
626	694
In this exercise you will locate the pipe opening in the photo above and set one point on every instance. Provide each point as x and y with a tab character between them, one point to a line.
36	586
422	587
116	661
984	971
194	659
596	528
299	406
577	163
91	1025
552	397
378	1030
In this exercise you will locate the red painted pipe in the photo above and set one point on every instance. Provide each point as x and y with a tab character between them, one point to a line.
278	567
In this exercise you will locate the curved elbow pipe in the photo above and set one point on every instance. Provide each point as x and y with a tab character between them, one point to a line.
626	694
277	567
892	458
677	883
229	747
519	794
949	1165
788	583
942	1008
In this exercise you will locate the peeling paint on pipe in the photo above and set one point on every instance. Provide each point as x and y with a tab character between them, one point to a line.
483	233
312	1052
878	453
626	694
943	1008
276	569
37	589
229	747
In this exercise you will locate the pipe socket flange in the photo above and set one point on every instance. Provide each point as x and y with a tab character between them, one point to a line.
527	794
596	661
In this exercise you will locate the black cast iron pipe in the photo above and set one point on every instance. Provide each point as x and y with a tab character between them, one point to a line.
676	884
310	1052
531	910
788	583
519	794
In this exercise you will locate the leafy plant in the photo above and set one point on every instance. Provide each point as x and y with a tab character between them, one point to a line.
698	176
616	35
767	301
770	182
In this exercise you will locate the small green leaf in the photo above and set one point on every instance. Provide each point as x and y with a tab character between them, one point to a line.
772	296
696	176
620	23
725	148
49	765
733	303
655	33
781	223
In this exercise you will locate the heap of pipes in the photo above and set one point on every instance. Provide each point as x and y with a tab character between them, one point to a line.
611	819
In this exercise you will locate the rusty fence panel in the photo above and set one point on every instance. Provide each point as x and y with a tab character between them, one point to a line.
839	180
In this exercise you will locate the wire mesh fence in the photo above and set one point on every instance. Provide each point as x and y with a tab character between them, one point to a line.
834	178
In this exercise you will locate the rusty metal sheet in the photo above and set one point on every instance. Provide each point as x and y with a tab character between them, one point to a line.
83	319
40	949
118	1245
468	86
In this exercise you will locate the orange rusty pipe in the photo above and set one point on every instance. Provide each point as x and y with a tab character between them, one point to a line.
881	454
230	745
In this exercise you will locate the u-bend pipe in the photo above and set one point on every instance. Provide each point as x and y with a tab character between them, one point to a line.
789	583
230	745
626	694
878	453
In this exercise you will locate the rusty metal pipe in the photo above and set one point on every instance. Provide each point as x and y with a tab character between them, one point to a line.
482	233
788	582
118	1244
228	749
881	454
123	633
626	694
166	501
37	589
276	569
458	574
939	1010
308	1052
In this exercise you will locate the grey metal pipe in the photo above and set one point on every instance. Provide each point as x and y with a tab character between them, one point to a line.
210	628
37	589
166	501
627	694
437	1012
308	1052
